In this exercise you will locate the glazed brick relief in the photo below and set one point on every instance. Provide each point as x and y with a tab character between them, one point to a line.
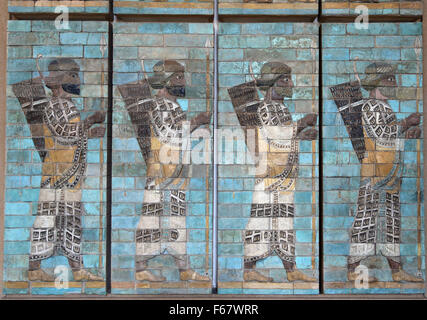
276	178
372	157
373	7
49	6
257	7
268	175
161	209
204	7
55	174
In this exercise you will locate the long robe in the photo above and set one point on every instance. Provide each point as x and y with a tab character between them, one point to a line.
162	226
377	225
270	226
58	222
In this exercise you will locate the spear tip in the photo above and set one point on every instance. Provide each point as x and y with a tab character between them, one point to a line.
208	43
103	45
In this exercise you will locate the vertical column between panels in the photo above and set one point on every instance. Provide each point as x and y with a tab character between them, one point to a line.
3	68
320	151
215	157
109	146
424	129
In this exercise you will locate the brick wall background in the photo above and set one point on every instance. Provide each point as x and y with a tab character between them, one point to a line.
380	7
48	6
198	7
256	7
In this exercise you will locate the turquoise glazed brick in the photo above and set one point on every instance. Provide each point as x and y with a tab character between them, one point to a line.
141	49
165	7
39	6
244	228
347	183
29	154
276	7
380	7
259	238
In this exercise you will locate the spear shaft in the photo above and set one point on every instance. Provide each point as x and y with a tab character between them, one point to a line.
208	109
101	156
313	168
417	50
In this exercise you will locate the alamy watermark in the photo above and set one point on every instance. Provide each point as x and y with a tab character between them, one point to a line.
61	277
62	22
362	20
233	148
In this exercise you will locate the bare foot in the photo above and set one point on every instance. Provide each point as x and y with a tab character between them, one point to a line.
298	275
148	276
192	275
84	275
404	276
40	275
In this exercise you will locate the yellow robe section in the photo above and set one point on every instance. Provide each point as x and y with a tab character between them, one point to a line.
276	160
378	163
59	158
162	171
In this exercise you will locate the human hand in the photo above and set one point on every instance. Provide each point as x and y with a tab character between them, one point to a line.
414	119
309	120
202	119
98	117
413	133
309	134
98	132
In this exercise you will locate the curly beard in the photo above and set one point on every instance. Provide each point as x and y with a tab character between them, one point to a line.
389	92
177	91
283	91
71	88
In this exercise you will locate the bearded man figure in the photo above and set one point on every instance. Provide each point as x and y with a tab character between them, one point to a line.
270	227
61	138
159	124
378	141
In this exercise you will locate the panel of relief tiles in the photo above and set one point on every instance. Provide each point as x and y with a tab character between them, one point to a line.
372	7
163	7
161	159
271	7
58	6
373	158
56	160
268	161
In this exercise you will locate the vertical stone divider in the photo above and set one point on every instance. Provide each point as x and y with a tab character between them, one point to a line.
424	88
109	146
215	155
3	63
320	155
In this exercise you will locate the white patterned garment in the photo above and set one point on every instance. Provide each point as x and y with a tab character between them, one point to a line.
162	227
270	226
